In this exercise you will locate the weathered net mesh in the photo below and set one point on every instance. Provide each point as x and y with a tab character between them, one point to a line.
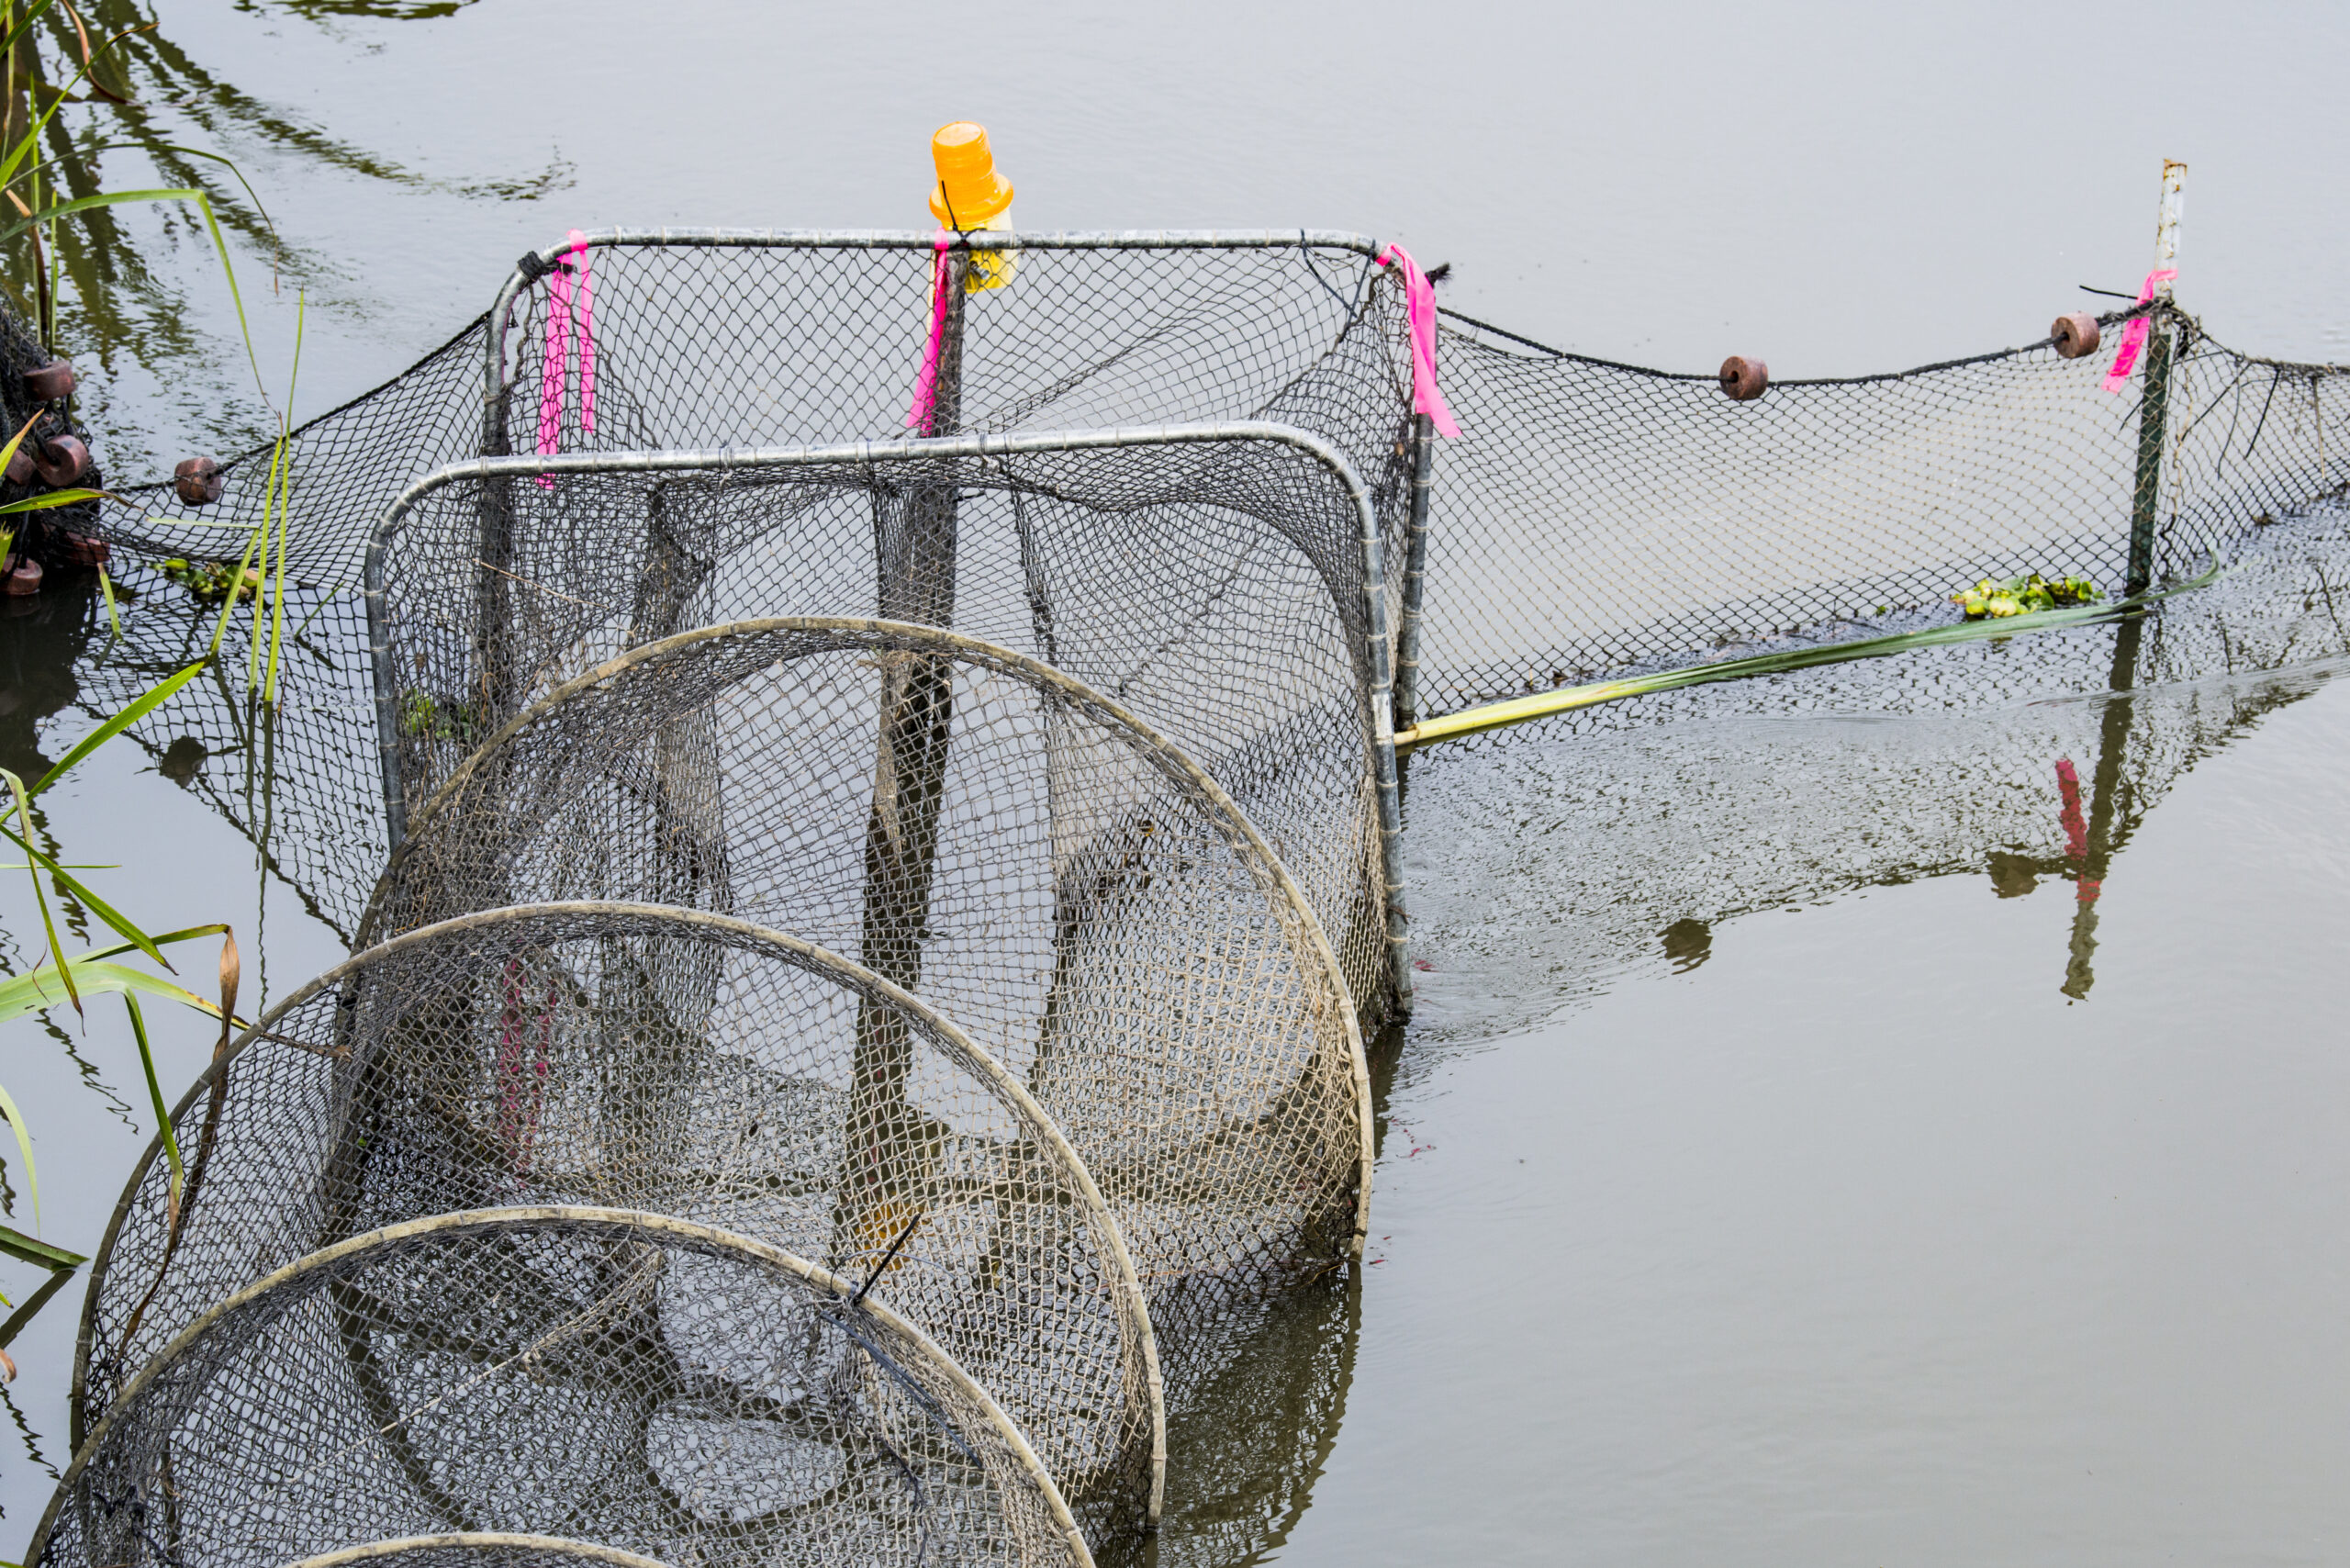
482	1549
625	1379
999	841
1141	838
1596	517
674	1062
1210	587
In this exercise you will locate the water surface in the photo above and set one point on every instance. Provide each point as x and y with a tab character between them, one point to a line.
1771	1173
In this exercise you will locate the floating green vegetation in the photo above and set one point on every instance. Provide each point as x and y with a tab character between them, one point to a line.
1994	600
212	581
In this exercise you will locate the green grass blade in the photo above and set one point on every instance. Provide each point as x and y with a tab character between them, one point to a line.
24	1146
146	703
94	904
284	502
40	894
155	1092
28	993
53	499
229	600
32	15
16	1244
114	615
1542	705
57	1281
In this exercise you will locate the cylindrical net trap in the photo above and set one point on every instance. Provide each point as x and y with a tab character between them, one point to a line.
1221	583
995	837
604	1376
676	1062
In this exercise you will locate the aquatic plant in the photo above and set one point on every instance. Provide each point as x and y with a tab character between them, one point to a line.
1997	599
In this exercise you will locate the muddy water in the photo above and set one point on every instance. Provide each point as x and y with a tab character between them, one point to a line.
1786	1163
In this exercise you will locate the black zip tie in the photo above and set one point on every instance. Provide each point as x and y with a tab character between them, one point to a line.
2108	293
882	1267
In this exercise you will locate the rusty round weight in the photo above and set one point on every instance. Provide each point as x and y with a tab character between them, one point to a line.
198	480
1743	379
2075	333
47	383
20	466
62	460
23	579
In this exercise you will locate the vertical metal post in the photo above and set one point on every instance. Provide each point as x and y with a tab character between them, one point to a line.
1415	566
2154	407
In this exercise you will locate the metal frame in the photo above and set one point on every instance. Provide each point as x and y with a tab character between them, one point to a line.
787	948
536	265
1376	697
479	1540
1168	755
489	1221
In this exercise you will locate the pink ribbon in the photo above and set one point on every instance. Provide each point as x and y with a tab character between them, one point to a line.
2133	336
925	403
1419	313
560	315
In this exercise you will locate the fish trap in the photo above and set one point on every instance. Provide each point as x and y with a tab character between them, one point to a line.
672	1062
996	839
640	1383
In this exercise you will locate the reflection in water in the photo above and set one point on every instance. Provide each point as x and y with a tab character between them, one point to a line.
157	114
42	641
1604	829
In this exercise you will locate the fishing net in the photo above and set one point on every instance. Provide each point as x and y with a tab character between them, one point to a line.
480	1550
999	841
633	1381
1596	518
1593	518
677	1063
1129	812
1211	586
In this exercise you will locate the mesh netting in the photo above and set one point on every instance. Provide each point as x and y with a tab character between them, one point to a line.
483	1548
1129	811
995	838
658	1059
1596	517
1212	586
624	1379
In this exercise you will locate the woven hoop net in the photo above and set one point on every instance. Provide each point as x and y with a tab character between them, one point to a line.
674	1062
480	1549
996	839
620	1378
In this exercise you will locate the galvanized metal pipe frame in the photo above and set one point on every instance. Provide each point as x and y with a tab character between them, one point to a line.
1376	696
537	262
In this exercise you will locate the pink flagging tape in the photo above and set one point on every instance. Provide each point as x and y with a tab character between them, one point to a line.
555	365
1420	314
925	404
2133	336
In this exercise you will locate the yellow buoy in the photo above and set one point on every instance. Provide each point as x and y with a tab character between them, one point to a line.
972	194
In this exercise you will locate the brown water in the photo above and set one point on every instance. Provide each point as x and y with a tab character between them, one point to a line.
1785	1165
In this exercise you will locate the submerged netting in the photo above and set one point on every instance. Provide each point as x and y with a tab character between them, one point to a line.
1145	847
673	1062
999	841
617	1378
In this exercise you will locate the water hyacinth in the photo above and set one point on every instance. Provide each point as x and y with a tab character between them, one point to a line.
1995	599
